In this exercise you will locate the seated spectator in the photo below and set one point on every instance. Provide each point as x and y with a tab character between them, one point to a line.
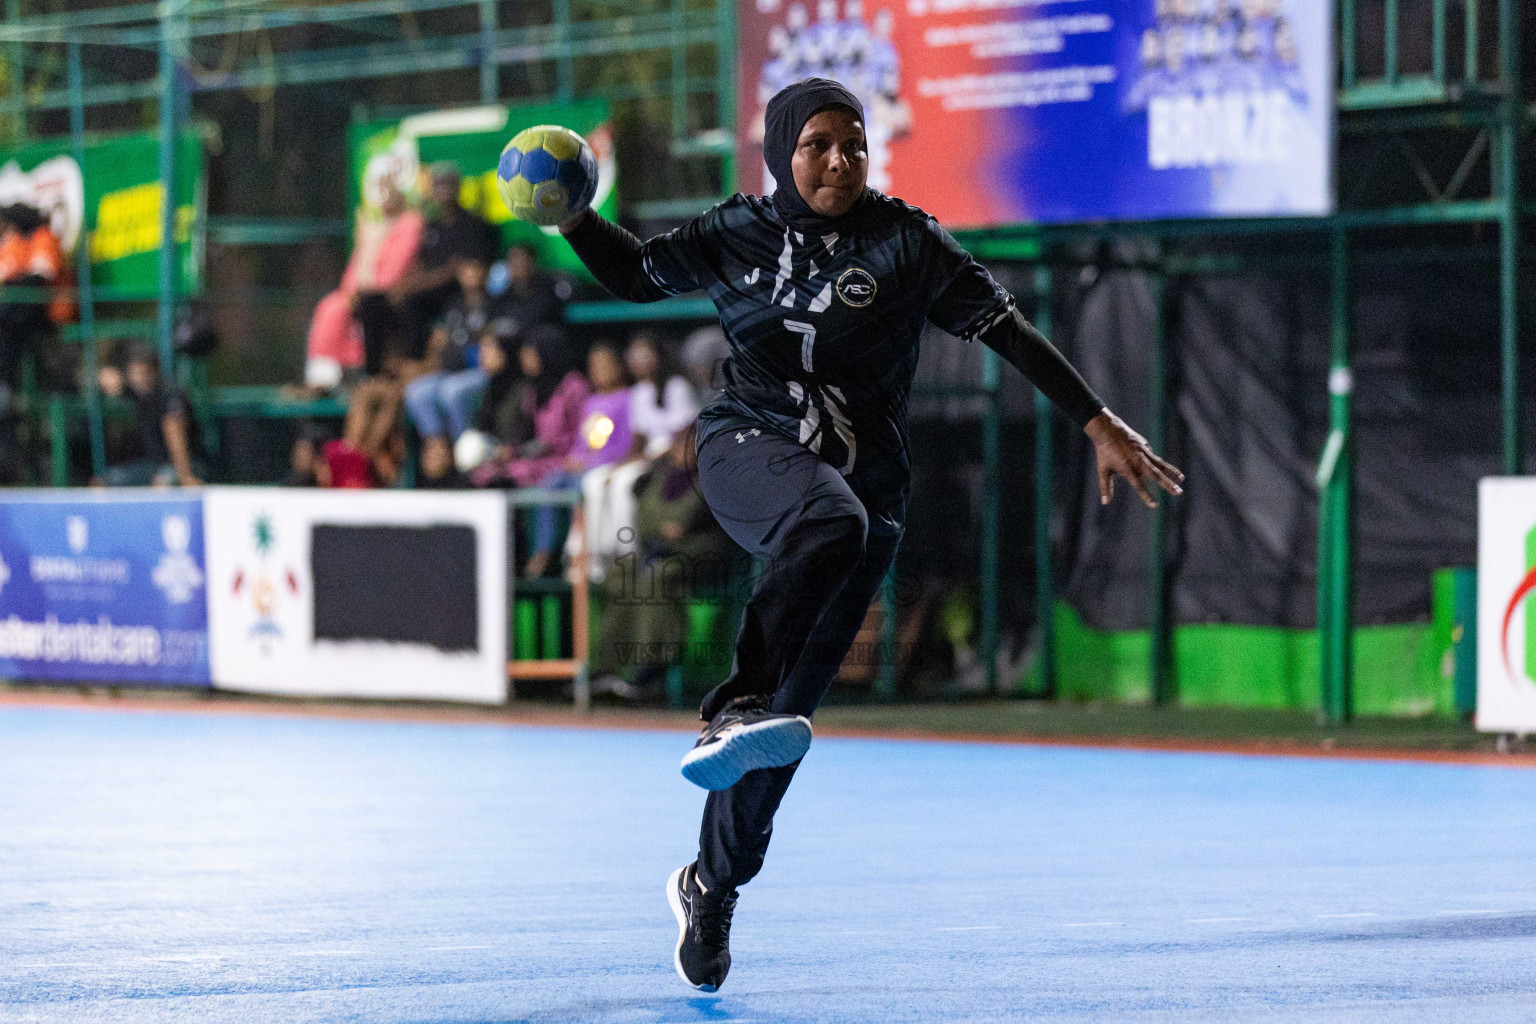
551	394
503	416
383	248
602	436
164	429
681	556
30	263
442	400
507	405
531	297
370	451
661	403
416	301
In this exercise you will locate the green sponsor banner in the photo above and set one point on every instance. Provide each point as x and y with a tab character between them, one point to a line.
473	138
113	203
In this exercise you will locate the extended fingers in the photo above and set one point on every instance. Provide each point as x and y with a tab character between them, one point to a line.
1138	478
1162	478
1173	472
1167	475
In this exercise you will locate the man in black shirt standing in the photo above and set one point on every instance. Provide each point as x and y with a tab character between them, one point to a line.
823	290
403	314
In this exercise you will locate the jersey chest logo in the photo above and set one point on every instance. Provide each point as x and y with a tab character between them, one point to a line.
856	287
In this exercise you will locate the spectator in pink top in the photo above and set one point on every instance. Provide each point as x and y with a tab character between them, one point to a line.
382	251
603	436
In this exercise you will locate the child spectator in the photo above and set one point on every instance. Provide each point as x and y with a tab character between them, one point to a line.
441	401
382	250
661	403
602	436
163	427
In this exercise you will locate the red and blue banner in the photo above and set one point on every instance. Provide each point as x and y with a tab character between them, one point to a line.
991	112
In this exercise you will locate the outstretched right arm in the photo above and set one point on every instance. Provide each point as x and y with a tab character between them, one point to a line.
614	256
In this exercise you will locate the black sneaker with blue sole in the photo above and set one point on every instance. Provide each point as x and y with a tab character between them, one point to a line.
703	953
743	737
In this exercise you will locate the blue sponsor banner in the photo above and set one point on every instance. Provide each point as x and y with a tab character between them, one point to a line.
103	586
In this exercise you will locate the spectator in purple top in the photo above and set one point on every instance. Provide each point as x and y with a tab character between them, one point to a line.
603	435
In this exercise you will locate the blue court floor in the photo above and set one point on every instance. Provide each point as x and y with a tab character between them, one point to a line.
228	867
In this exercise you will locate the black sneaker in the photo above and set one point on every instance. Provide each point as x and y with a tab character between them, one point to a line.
744	736
703	954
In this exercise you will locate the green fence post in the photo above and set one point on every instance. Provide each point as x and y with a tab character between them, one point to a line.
725	85
991	485
679	71
1389	42
1437	37
18	57
885	680
1159	647
1470	41
83	272
490	85
1045	487
565	69
1347	22
1334	604
1512	115
170	89
58	441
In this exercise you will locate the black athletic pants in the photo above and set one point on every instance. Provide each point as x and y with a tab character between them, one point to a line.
824	565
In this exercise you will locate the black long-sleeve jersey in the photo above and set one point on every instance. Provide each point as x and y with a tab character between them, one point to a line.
824	329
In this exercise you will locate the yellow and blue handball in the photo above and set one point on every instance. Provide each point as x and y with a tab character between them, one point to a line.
546	174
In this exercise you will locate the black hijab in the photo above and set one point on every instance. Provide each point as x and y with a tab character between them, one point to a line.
786	115
555	360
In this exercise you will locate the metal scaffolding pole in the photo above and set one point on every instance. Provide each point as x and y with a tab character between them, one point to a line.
1159	647
490	69
170	115
16	58
1335	509
725	86
1045	488
565	71
991	462
83	274
1508	186
885	678
679	71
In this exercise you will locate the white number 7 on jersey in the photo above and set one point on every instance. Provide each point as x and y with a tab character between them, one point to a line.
807	334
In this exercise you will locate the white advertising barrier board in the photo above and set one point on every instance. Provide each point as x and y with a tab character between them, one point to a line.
389	594
1506	604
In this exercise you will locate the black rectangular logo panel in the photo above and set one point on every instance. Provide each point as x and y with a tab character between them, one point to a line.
399	584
